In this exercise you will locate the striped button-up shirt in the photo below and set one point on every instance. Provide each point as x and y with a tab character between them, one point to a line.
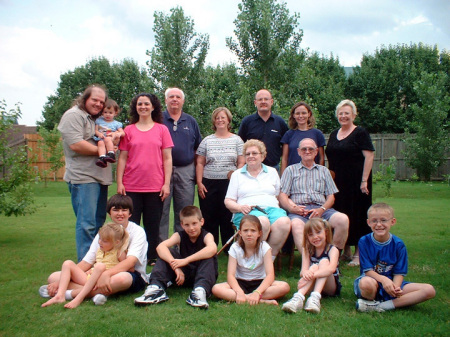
307	186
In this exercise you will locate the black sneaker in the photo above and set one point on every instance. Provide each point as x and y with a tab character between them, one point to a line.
110	157
153	295
101	162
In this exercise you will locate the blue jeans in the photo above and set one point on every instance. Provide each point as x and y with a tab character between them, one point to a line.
89	205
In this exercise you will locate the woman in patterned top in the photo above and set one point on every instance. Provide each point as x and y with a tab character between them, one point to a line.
218	155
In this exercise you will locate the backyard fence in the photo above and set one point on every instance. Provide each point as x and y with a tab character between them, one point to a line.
386	146
392	145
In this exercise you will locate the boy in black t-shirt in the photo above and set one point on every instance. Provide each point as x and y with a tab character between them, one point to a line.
194	265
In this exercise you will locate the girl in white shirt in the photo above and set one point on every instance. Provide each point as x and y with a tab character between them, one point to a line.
250	274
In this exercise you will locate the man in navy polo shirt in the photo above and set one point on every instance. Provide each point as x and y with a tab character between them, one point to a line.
186	138
265	126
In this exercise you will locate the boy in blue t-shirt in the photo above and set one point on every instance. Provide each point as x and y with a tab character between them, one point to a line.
384	263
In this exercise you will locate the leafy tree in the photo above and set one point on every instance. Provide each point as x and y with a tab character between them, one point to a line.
52	149
123	81
382	87
320	82
16	197
266	36
179	54
426	150
219	87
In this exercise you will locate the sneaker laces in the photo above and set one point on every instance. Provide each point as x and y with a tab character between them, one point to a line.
296	298
151	289
315	300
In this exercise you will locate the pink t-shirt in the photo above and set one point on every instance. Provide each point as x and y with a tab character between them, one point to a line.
144	171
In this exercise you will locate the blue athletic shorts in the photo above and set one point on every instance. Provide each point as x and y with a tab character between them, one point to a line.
273	214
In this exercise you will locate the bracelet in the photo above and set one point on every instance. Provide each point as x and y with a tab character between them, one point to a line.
257	291
323	208
364	181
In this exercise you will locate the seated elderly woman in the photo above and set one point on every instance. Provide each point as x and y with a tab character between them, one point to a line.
254	189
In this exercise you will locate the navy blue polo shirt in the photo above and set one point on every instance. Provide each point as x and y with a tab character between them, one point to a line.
186	138
270	133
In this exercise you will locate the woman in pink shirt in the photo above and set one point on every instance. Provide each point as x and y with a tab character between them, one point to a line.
144	168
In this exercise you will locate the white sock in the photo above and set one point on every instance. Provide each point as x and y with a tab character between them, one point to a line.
387	305
301	295
316	294
68	295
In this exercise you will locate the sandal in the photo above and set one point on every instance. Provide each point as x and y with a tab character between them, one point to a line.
353	262
345	258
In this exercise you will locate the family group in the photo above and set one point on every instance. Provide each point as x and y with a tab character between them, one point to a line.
162	156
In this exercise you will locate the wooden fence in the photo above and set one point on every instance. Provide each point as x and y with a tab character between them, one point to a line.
386	146
37	160
392	145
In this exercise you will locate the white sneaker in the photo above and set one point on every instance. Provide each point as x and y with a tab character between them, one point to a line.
313	304
152	295
367	306
43	291
197	298
294	304
99	299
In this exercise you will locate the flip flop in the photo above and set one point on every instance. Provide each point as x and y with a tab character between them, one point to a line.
354	263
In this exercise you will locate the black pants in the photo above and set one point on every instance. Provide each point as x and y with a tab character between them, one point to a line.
202	273
149	206
214	212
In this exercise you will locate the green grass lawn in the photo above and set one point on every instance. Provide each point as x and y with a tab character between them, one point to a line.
33	246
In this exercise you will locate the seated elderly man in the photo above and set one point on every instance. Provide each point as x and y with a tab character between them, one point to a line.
307	191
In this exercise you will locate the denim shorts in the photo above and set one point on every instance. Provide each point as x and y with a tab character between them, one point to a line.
381	295
326	215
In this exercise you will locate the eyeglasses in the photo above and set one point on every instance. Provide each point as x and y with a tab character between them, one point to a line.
381	221
175	125
308	149
253	154
263	99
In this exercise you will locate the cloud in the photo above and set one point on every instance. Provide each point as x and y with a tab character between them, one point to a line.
42	39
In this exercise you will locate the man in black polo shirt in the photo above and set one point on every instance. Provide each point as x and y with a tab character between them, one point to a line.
265	126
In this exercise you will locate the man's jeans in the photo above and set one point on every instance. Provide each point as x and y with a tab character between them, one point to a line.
89	205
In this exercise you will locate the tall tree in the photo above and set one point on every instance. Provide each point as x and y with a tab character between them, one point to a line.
123	81
320	81
382	87
265	31
219	87
179	54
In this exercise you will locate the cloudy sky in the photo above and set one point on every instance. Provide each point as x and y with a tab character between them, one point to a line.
42	39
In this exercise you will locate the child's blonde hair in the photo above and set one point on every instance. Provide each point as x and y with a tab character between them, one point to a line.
255	222
316	224
381	206
115	232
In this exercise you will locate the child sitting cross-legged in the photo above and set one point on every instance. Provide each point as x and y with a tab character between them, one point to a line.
383	264
250	274
195	264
